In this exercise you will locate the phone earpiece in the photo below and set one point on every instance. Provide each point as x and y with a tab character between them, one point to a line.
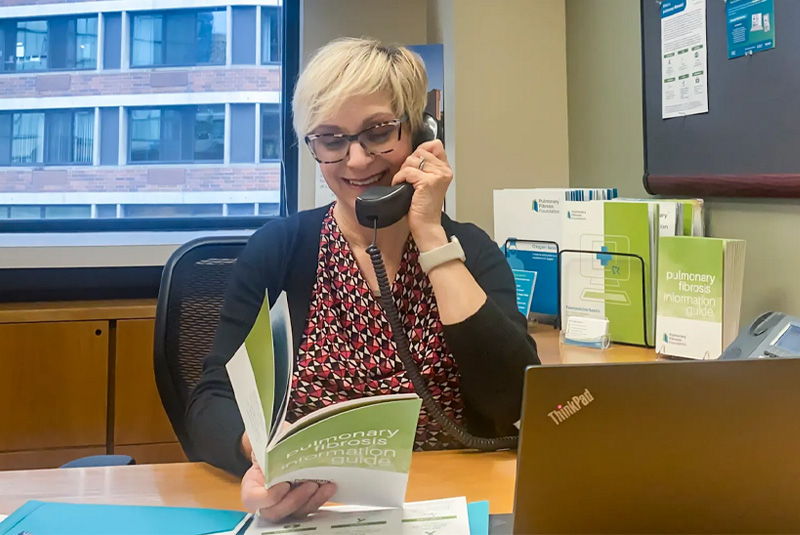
430	130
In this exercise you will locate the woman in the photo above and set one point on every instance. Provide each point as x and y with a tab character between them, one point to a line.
358	105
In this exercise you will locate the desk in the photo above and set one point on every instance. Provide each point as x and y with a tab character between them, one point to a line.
478	476
552	352
438	474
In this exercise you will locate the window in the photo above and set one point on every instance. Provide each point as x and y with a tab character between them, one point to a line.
147	155
270	133
56	137
175	38
177	134
270	35
58	43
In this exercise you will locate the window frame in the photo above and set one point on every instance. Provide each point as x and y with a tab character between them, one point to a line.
163	14
45	133
269	9
290	54
193	161
33	72
269	108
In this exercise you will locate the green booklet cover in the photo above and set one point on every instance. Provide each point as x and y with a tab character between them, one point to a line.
603	284
363	445
699	295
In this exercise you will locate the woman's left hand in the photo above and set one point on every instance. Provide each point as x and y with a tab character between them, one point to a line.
430	185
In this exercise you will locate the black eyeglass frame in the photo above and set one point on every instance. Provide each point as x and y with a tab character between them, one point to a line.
309	139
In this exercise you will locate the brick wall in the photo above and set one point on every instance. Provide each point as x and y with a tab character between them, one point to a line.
206	79
141	179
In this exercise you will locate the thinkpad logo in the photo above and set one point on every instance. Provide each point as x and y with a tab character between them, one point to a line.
569	408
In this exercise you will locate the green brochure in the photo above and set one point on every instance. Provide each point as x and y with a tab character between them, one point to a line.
699	295
363	445
613	279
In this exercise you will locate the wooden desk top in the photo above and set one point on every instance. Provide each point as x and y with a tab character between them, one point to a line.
440	474
552	352
77	310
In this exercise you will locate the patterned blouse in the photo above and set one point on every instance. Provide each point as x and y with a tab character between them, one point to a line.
347	349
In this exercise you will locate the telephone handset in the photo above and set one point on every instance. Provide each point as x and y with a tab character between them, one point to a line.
381	206
771	335
386	205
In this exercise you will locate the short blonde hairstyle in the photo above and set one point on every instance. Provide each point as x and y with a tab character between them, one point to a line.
353	67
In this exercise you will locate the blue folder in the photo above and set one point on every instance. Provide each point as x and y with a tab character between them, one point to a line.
478	518
48	518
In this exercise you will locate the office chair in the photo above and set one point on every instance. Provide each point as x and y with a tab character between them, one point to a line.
192	290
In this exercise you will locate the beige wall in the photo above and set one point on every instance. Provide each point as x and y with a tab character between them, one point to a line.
605	126
396	21
510	109
604	69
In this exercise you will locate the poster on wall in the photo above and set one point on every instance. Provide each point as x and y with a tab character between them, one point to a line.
322	193
433	56
684	66
750	26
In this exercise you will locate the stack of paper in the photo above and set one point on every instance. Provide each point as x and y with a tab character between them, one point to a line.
699	295
443	517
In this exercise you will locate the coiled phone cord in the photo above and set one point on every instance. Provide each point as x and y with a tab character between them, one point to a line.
420	385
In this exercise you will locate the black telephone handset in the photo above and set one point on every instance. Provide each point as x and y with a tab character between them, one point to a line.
381	206
386	205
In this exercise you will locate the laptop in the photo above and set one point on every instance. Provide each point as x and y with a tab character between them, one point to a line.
660	447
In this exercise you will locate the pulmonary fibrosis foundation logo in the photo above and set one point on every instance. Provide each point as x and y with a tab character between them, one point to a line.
570	407
535	206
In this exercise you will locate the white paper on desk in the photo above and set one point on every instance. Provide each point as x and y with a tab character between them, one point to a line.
442	517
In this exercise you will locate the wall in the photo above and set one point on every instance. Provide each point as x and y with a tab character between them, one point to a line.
510	109
605	126
392	21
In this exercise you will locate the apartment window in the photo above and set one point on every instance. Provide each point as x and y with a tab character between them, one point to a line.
56	137
57	43
59	211
270	35
271	134
178	38
177	134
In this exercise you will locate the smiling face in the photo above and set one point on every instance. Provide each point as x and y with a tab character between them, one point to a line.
360	169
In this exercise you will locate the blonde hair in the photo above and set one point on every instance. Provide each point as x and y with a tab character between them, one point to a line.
352	67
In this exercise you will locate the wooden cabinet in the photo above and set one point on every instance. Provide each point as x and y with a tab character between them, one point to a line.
76	379
141	427
53	385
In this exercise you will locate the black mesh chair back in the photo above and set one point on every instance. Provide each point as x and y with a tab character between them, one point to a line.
190	298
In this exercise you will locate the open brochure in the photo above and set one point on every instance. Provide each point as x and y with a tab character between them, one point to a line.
449	516
363	445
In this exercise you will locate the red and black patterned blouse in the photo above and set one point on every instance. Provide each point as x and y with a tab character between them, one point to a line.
347	349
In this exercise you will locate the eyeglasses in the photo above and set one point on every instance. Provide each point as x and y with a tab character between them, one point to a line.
378	139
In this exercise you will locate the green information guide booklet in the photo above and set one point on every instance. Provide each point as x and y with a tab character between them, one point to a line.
699	295
363	445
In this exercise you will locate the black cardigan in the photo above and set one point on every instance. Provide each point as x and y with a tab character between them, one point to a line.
492	347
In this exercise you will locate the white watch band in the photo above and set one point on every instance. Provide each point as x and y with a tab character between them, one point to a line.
440	255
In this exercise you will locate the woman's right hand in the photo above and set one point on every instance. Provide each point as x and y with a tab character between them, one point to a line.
281	501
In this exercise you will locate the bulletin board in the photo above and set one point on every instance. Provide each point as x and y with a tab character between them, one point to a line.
748	144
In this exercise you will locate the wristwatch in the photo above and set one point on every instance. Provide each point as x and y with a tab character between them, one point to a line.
441	255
